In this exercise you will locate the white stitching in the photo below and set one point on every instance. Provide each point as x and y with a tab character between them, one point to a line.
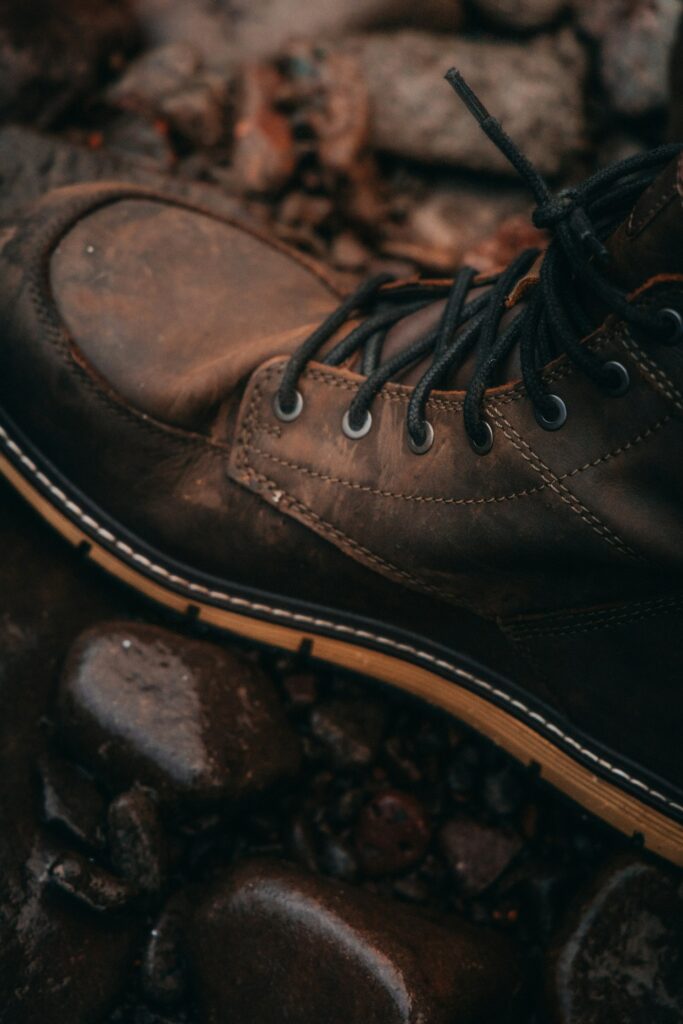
310	620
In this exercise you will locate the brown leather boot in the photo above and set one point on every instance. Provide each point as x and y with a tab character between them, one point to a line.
471	489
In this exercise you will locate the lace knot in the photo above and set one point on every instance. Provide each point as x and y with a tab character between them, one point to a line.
555	209
565	207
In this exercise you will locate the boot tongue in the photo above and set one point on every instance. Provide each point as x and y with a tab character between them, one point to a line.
650	240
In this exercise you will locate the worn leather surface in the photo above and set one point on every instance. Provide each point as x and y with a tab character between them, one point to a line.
189	313
145	369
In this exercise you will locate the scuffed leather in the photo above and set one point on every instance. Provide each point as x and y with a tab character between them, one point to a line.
125	401
545	520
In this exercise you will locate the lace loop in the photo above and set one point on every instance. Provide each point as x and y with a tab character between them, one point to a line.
553	319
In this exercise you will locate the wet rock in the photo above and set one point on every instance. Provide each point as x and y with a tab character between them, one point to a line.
511	237
392	833
330	100
170	83
464	770
537	892
350	731
226	33
521	14
89	884
136	843
503	790
372	961
398	756
445	226
71	801
477	854
144	142
301	842
32	164
163	968
675	132
301	689
189	719
59	962
635	56
264	157
621	955
43	71
534	89
338	860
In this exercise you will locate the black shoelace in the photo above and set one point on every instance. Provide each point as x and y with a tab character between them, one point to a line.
553	320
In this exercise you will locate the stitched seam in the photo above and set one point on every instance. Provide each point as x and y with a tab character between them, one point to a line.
54	329
627	446
302	619
654	604
635	226
307	514
439	500
661	381
49	235
426	498
289	501
563	492
618	617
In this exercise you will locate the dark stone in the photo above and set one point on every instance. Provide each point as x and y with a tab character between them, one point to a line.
89	884
620	957
71	801
59	961
301	689
413	118
169	83
635	56
503	790
675	132
144	143
301	842
464	770
52	54
136	843
271	944
163	968
349	730
338	860
189	719
32	164
477	854
522	15
392	833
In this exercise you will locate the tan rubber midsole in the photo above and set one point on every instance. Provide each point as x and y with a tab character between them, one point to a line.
620	809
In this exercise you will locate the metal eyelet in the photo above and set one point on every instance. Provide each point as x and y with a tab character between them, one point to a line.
293	413
676	326
361	431
484	446
556	421
420	449
621	377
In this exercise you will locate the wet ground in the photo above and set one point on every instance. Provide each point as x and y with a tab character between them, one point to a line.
195	830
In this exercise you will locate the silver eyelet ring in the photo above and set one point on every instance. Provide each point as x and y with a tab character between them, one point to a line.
420	449
556	421
293	413
361	431
621	377
484	446
676	326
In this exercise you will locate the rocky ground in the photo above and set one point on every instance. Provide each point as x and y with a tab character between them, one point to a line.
192	831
